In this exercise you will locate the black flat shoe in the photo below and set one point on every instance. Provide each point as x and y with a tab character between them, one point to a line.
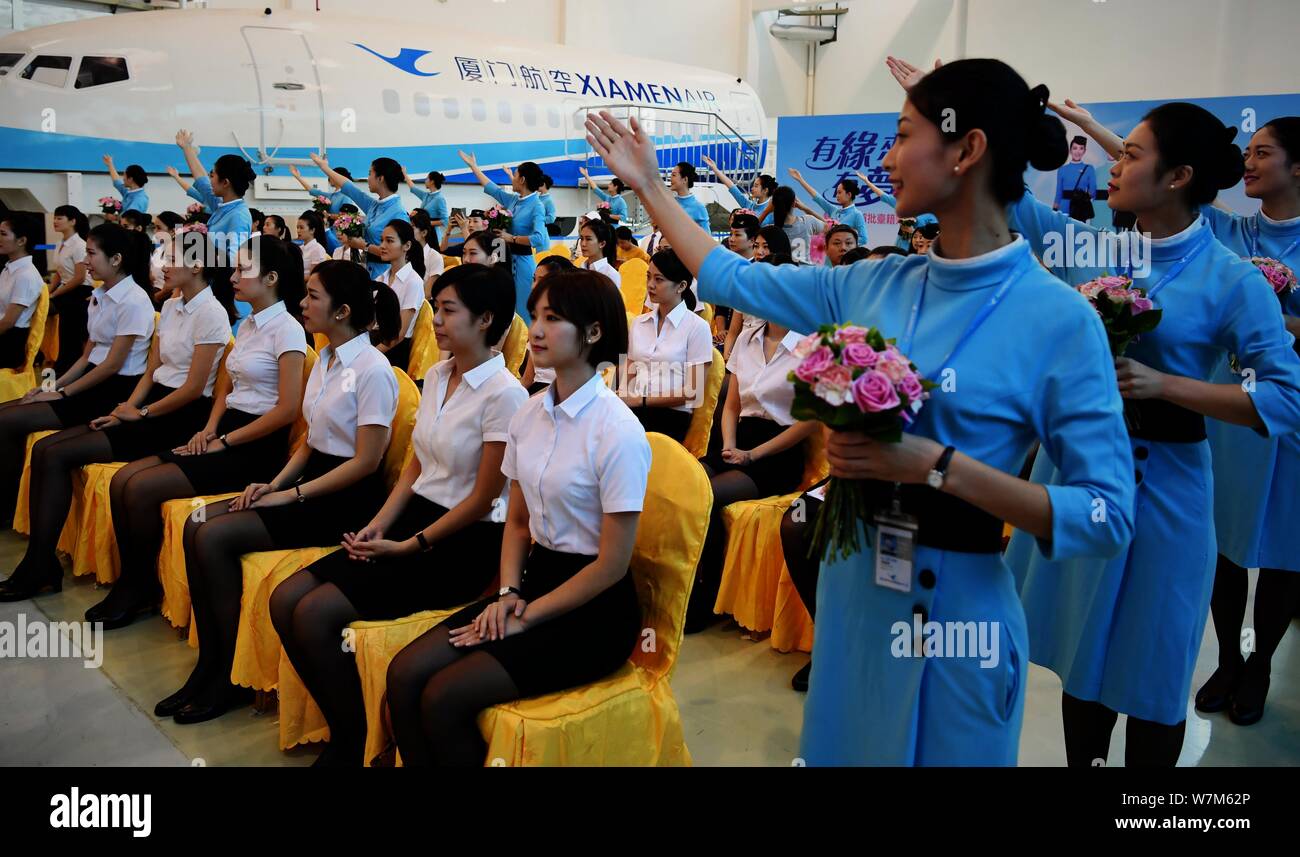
1247	706
1216	694
800	680
201	712
21	590
119	617
174	703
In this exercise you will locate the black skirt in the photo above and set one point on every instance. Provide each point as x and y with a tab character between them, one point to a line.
775	474
584	645
73	309
154	435
667	421
99	401
458	569
322	520
223	469
13	348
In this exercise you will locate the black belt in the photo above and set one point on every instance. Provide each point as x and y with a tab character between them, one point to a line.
1163	422
944	522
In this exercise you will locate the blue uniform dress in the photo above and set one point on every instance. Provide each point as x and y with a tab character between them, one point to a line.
436	204
1126	632
848	215
336	199
527	218
1036	369
617	205
1256	479
696	210
132	200
744	200
378	213
229	225
921	219
1066	177
548	209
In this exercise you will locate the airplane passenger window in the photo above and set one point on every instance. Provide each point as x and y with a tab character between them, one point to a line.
553	117
451	108
478	109
503	112
8	61
422	106
98	71
392	103
530	114
49	70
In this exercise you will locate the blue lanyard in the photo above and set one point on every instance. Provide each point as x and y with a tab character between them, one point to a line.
1254	241
1177	267
980	317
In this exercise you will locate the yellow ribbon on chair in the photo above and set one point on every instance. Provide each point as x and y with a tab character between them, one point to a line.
632	284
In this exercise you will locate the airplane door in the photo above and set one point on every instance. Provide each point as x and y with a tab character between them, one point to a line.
291	105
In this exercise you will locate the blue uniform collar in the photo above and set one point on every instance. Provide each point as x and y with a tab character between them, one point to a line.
977	272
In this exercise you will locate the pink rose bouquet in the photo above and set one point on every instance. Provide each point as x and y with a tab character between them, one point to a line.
852	379
1279	276
109	205
351	225
1125	312
498	218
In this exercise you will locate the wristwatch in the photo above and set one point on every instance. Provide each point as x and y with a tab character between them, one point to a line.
297	489
506	590
940	470
144	412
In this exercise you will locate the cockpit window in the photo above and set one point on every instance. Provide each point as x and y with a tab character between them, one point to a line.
8	61
97	71
49	70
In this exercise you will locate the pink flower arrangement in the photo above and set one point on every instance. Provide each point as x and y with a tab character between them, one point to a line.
604	206
498	218
1279	276
1125	312
817	249
194	214
852	379
109	205
201	228
351	225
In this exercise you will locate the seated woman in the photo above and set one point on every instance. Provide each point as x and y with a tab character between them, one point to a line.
120	325
534	377
405	276
169	403
663	347
333	484
311	232
450	498
423	228
771	245
599	250
567	611
245	436
758	452
20	285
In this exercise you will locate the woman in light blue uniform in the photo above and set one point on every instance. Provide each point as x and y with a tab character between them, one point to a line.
130	185
222	191
334	199
548	205
528	229
432	200
681	180
1124	635
846	192
1024	359
760	190
617	205
1256	479
384	179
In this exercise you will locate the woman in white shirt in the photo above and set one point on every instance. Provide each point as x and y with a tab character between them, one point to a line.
436	543
333	484
311	231
669	352
120	326
70	284
20	286
567	611
599	250
405	276
170	401
422	226
759	451
535	378
245	436
343	252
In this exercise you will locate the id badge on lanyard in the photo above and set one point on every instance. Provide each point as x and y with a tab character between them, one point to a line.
895	541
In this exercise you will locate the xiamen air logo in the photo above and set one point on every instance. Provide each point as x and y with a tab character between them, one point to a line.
405	60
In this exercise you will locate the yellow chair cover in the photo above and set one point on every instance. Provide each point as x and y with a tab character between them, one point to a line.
515	345
630	717
697	435
424	345
632	278
50	342
449	262
320	341
752	574
15	382
171	559
707	314
559	248
257	647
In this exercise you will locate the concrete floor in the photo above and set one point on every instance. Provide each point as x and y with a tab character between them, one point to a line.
734	694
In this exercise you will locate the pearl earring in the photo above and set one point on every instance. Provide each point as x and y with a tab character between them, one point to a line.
956	169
